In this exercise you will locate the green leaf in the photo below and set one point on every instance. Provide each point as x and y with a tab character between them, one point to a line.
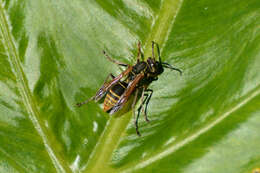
207	120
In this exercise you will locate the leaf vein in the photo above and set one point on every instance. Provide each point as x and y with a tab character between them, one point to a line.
12	54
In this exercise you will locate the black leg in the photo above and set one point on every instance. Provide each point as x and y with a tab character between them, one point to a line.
140	109
144	101
114	61
136	121
133	110
147	102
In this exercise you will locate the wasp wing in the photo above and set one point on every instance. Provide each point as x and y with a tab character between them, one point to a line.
107	85
125	96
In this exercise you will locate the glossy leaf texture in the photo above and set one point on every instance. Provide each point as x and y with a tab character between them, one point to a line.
207	120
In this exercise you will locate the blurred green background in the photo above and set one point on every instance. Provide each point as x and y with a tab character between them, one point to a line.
205	121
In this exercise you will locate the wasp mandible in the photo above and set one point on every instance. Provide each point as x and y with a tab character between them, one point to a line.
134	80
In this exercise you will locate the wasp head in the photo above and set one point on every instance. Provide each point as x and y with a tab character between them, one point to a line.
155	67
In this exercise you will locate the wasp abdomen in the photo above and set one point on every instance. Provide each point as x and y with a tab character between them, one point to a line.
113	95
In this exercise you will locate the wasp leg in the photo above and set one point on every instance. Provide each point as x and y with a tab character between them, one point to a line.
138	114
114	61
136	121
86	101
147	102
93	97
134	102
133	109
146	118
141	107
139	52
136	124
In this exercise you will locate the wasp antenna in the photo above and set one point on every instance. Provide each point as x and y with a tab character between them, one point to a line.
153	49
158	51
166	65
177	70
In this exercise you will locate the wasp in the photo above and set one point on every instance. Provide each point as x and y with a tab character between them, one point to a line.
134	80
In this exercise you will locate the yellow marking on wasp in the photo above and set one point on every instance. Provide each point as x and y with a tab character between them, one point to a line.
108	104
122	85
111	99
133	73
114	94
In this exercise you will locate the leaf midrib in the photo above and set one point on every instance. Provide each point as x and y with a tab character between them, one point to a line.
34	115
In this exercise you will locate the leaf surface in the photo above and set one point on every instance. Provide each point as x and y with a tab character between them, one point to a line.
207	120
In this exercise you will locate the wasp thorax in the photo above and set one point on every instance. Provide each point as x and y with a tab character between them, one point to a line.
139	67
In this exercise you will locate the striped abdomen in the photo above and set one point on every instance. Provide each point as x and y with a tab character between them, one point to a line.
113	95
